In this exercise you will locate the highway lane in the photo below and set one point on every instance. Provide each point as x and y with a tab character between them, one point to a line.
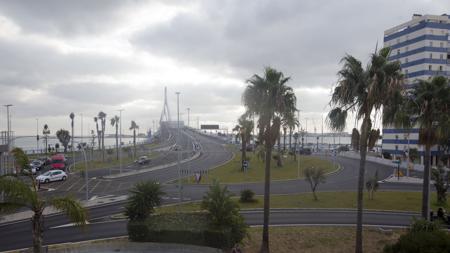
107	229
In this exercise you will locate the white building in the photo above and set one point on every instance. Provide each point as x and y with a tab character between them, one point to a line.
422	45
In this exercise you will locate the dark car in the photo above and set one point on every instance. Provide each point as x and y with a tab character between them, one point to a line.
305	151
143	160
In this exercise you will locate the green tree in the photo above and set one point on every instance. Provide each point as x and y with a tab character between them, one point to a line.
314	176
115	122
144	197
365	92
46	132
428	108
63	137
18	195
270	99
441	183
245	128
223	211
372	185
102	117
290	121
296	135
133	127
99	134
72	116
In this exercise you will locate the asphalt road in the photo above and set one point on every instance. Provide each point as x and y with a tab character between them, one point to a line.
18	235
104	229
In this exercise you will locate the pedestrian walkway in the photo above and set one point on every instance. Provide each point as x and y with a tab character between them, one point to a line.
408	180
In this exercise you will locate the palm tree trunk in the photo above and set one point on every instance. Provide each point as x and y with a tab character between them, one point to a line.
295	149
134	141
103	140
117	141
72	135
365	128
265	235
290	139
37	232
426	181
284	139
244	151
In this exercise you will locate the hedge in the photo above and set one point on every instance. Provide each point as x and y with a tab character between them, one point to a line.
158	229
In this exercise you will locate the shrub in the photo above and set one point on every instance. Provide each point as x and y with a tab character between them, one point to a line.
138	231
422	237
144	197
247	196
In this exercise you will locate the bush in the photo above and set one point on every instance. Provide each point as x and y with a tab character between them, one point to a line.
138	231
247	196
144	197
422	237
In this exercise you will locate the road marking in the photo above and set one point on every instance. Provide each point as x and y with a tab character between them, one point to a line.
76	182
95	186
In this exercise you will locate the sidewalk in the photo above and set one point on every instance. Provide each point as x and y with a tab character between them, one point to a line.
407	180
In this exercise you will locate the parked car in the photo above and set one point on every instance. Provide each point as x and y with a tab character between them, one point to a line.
143	160
58	162
45	160
29	170
37	164
305	151
52	175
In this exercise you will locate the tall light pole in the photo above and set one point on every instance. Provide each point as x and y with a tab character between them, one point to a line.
120	139
188	109
81	128
37	135
178	146
8	126
298	160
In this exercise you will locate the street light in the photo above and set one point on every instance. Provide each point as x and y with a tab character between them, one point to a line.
8	125
178	146
120	140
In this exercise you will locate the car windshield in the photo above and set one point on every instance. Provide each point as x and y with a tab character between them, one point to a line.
48	173
57	161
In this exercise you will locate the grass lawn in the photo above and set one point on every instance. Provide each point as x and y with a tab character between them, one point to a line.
231	171
384	200
319	239
111	161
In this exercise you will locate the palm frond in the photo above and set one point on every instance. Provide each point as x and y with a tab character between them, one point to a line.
336	119
18	192
72	208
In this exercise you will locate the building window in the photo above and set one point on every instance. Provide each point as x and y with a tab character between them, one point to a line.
442	56
431	56
396	147
440	68
398	51
406	72
406	59
396	136
407	48
431	43
441	44
429	67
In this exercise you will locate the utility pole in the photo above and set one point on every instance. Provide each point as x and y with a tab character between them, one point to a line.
120	140
37	135
81	129
178	147
8	125
188	109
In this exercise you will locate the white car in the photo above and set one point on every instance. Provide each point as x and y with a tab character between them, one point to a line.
52	175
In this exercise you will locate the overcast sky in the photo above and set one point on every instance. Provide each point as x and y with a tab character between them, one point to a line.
87	56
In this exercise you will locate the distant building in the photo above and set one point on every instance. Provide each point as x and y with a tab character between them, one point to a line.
422	45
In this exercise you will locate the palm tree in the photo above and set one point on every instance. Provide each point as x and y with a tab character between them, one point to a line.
427	107
296	135
285	127
102	117
270	99
18	195
99	135
245	128
290	121
133	127
63	137
365	91
46	132
72	116
115	122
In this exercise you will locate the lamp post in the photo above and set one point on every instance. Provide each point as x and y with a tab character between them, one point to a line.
120	140
37	135
8	125
188	110
178	147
